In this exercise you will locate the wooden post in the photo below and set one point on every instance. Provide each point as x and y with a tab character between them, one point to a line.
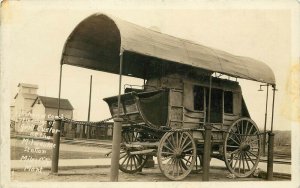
56	140
114	173
206	153
115	156
57	126
270	157
207	139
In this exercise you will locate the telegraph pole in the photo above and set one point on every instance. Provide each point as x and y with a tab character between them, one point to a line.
89	110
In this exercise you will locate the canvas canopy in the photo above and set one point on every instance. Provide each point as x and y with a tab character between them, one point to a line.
96	43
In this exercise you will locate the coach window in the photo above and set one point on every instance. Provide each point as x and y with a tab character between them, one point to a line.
198	98
228	102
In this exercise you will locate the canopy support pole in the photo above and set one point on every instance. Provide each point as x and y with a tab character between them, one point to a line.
59	89
117	129
273	104
265	125
271	142
57	124
207	139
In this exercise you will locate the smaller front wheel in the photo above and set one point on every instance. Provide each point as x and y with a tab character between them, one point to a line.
176	155
131	163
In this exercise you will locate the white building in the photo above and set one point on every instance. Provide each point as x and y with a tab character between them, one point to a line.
29	106
23	100
48	106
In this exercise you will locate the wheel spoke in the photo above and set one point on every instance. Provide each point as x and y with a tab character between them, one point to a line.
134	162
233	157
184	165
231	146
177	167
173	141
165	152
246	128
239	132
131	163
243	162
180	140
173	167
252	154
177	140
240	162
249	132
235	151
234	140
242	126
125	154
170	143
125	160
250	158
186	145
236	161
180	165
189	149
168	147
236	135
184	141
169	165
245	132
247	161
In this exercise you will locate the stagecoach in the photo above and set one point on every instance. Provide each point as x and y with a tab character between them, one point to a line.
184	92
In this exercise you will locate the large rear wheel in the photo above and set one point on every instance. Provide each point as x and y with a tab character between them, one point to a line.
242	147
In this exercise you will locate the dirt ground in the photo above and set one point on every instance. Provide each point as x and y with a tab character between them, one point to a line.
102	175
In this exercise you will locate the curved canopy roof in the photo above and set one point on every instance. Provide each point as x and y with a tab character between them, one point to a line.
96	43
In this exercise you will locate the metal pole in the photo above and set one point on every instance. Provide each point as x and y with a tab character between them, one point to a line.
56	142
271	142
265	126
59	89
114	169
89	110
207	139
273	104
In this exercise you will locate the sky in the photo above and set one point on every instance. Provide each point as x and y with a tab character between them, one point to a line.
34	33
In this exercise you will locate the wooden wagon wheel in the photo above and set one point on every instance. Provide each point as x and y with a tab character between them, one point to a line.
130	163
176	155
242	147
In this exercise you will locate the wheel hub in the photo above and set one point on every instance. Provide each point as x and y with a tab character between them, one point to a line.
178	152
245	147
